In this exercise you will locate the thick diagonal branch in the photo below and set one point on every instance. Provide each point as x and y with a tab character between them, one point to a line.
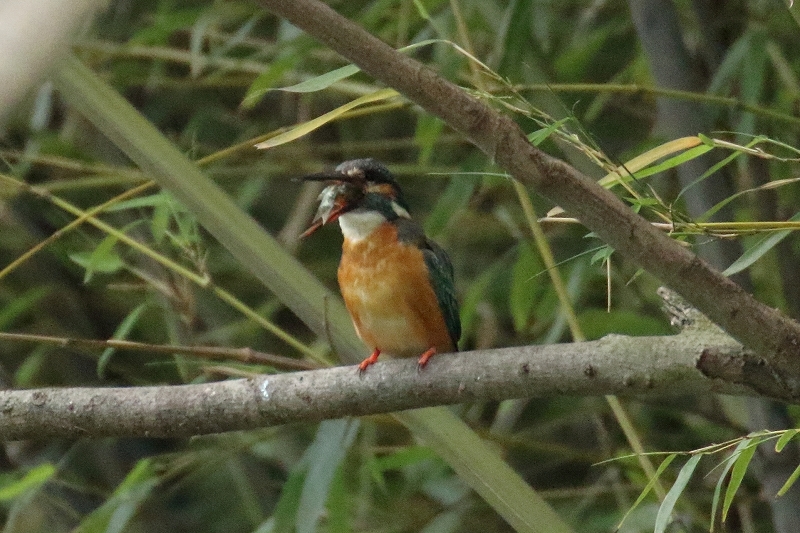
758	326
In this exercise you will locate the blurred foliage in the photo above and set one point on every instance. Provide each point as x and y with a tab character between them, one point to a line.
188	66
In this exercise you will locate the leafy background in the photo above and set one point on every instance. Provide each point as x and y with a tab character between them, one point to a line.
205	74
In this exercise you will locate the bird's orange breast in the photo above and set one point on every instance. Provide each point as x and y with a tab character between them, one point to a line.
388	293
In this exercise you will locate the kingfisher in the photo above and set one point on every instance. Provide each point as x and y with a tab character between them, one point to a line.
397	284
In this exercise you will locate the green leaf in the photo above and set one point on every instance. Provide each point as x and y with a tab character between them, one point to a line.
668	505
601	255
539	136
784	439
708	214
596	323
337	518
264	83
673	162
624	172
727	70
102	259
291	54
282	520
121	332
451	202
524	286
15	308
723	475
321	82
166	23
116	512
757	251
32	479
446	522
26	374
159	223
429	129
325	456
649	487
500	485
751	80
151	200
789	482
404	457
421	10
476	293
740	465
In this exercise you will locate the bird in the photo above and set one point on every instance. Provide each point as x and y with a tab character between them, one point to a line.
397	284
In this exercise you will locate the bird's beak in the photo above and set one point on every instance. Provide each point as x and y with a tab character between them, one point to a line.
334	200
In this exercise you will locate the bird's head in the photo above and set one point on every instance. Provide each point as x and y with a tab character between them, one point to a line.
360	185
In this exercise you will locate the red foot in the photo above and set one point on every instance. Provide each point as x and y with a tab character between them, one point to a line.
425	357
371	360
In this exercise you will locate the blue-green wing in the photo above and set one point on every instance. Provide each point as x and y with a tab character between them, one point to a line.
440	270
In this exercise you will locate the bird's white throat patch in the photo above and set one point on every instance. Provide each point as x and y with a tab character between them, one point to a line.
358	225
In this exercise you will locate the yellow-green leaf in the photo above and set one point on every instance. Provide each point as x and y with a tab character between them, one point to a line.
32	479
307	127
623	172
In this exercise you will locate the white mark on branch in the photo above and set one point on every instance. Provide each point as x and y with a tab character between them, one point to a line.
264	389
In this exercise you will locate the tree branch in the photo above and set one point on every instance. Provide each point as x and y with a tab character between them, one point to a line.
758	326
697	360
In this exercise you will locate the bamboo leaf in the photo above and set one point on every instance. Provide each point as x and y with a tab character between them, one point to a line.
721	481
325	455
13	310
668	505
35	477
121	332
321	82
757	251
317	83
539	136
649	487
307	127
784	439
282	519
290	55
789	482
523	290
673	162
337	518
738	471
775	184
116	512
625	172
641	161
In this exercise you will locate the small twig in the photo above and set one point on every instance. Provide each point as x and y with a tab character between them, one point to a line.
245	355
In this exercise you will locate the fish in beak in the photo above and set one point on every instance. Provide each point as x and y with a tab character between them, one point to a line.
339	197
